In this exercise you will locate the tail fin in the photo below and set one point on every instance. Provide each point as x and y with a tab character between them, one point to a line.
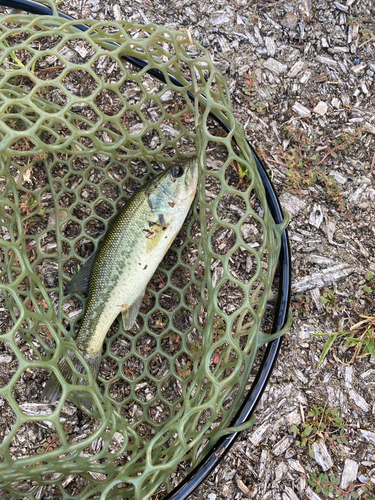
52	390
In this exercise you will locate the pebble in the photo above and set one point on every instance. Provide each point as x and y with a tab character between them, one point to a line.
321	108
275	66
301	110
349	473
296	68
211	496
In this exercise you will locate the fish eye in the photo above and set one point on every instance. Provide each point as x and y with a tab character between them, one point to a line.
177	172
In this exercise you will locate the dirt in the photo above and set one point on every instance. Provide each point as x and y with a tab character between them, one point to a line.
282	60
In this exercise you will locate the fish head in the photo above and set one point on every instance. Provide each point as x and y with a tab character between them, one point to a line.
175	187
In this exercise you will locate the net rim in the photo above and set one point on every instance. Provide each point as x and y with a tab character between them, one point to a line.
222	447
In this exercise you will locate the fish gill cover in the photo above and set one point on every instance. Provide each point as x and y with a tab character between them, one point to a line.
80	131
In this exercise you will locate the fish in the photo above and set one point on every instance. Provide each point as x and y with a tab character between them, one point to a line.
116	275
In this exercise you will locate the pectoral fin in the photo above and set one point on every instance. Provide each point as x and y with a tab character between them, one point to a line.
129	315
81	281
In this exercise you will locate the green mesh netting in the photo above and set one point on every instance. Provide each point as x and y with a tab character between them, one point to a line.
80	130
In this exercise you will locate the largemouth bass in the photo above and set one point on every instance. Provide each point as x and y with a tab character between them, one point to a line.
117	274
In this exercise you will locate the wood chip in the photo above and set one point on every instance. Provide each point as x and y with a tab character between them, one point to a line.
282	445
359	400
311	494
323	77
301	110
259	434
321	108
324	278
349	473
290	493
322	456
296	68
368	435
275	66
295	465
242	486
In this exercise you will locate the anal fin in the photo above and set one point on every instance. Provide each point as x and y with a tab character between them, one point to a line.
81	281
129	315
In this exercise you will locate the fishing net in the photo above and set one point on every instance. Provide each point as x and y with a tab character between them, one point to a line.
80	131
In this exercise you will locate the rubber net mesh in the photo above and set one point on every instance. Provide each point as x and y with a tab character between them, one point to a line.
80	130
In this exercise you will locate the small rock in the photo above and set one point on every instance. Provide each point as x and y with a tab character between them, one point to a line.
305	10
5	360
290	21
322	456
296	68
321	108
211	496
301	110
275	66
349	473
362	478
